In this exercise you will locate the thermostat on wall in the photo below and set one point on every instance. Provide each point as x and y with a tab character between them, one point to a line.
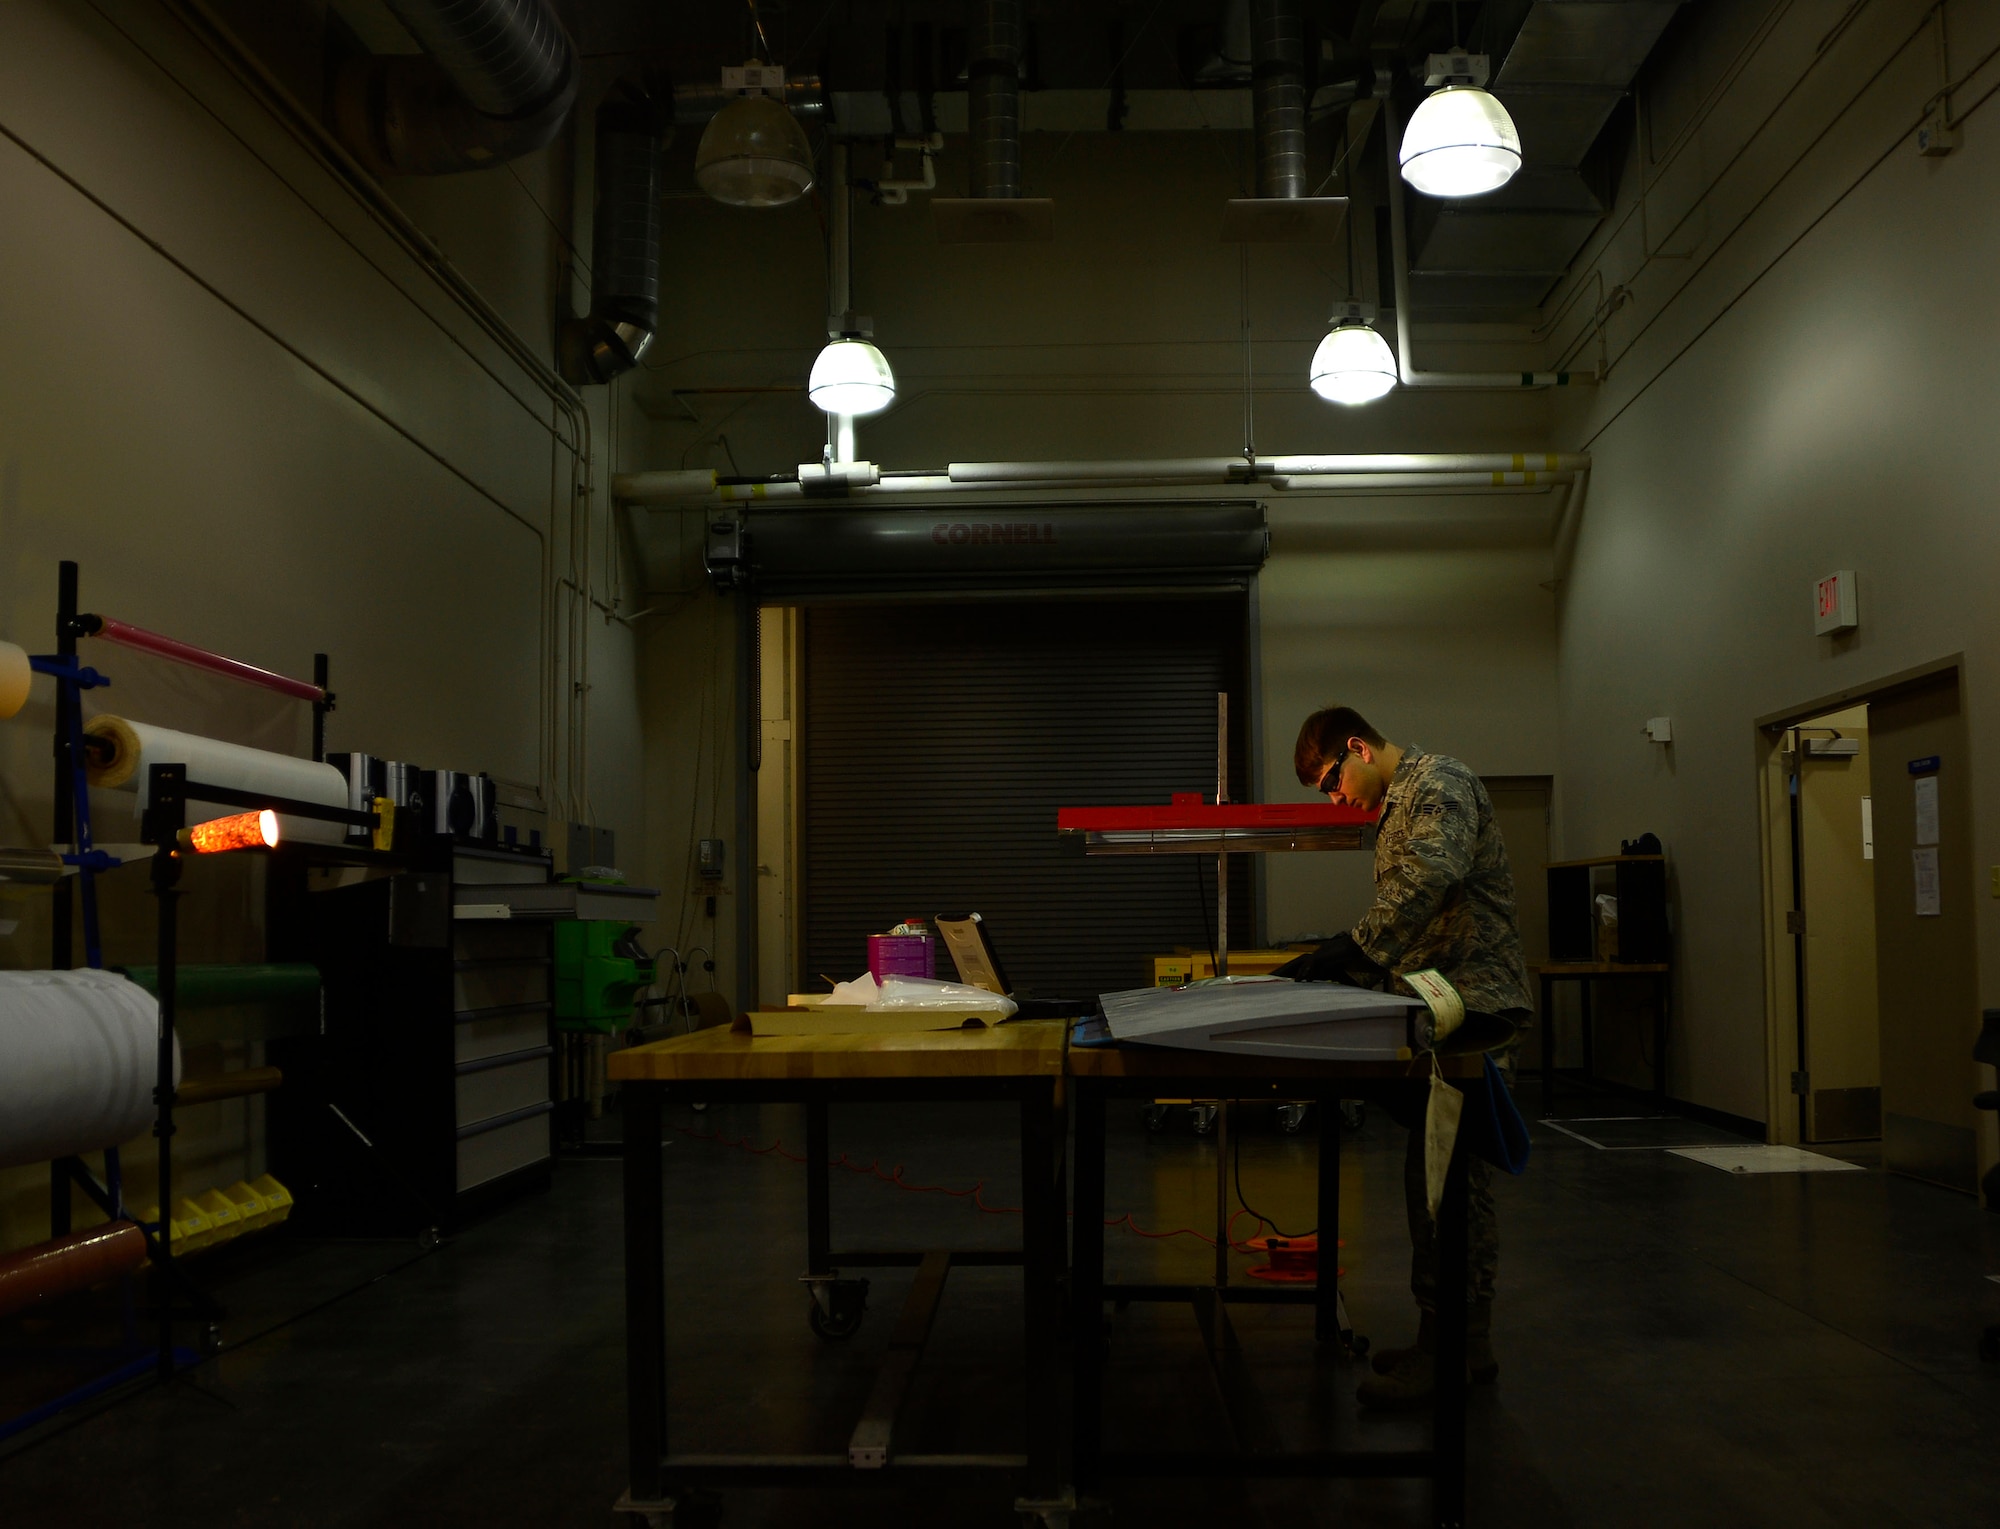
1834	605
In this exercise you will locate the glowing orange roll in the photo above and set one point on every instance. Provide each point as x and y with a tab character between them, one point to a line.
246	830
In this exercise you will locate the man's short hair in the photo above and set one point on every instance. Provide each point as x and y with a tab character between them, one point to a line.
1323	736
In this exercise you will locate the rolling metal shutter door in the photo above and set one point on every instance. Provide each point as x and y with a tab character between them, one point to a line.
939	742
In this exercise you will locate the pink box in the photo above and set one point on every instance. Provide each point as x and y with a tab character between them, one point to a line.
901	955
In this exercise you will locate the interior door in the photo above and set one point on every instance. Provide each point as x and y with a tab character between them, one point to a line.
1926	966
1843	1060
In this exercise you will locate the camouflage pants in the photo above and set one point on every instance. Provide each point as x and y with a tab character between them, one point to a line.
1482	1230
1482	1249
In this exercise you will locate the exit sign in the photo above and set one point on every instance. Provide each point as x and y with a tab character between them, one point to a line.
1834	608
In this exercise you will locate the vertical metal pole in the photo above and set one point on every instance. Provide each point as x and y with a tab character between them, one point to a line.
1448	1427
819	1207
61	953
1041	1271
167	806
1326	1300
1222	1194
1222	860
64	830
320	707
839	281
749	729
1087	1284
645	1294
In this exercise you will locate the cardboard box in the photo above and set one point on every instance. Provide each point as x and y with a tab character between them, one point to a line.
1188	966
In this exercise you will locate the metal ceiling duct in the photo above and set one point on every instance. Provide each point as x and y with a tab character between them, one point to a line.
993	97
496	80
1278	89
625	245
1563	67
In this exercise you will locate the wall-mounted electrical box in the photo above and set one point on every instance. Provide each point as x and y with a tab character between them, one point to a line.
708	859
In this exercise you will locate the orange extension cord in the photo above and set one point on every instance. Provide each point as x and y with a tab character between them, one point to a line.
895	1179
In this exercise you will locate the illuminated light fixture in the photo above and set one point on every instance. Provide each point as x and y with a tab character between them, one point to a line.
1460	141
1353	364
753	153
243	830
851	377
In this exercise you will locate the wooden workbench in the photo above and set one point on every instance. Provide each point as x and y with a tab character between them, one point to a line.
1027	1062
1020	1062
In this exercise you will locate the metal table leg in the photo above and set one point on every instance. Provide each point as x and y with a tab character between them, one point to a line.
1326	1299
819	1209
1660	1038
1584	986
645	1295
1448	1427
1548	1045
1087	1287
1041	1275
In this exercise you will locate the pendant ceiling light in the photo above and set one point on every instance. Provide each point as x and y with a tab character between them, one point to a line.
851	377
1353	364
753	153
1460	141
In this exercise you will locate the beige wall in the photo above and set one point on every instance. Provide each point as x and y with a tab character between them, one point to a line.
1807	386
260	426
1434	617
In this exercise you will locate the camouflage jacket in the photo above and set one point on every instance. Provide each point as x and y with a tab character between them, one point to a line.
1444	893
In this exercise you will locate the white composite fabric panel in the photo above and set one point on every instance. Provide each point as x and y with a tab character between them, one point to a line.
1264	1016
1765	1159
78	1059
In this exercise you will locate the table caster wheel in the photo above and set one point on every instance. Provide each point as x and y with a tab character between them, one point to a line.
211	1338
838	1307
1293	1118
1354	1113
1202	1118
430	1239
1156	1117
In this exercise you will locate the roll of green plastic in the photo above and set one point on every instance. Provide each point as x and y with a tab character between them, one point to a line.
213	986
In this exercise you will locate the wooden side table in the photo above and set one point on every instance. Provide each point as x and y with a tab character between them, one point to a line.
1584	974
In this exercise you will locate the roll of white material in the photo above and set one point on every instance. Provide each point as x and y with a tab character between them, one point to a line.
137	746
15	677
78	1060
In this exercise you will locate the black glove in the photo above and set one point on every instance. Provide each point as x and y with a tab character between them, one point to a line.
1338	960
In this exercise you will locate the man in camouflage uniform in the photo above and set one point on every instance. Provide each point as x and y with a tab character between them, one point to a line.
1444	900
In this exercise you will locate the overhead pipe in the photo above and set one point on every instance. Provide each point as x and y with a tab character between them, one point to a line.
496	80
1322	473
1399	257
993	97
1278	93
625	245
804	97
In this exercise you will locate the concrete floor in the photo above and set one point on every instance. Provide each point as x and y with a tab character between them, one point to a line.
1678	1345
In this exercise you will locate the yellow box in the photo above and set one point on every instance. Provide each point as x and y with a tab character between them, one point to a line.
277	1199
223	1217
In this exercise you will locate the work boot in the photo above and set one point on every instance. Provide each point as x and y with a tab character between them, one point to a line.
1384	1360
1404	1377
1481	1367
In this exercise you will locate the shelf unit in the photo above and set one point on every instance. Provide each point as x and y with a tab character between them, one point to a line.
429	1097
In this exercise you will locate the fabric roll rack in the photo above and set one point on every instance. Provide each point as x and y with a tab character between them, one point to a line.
158	764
